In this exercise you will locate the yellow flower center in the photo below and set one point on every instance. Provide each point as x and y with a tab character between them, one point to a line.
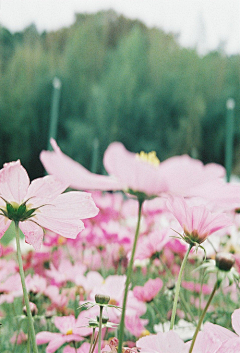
69	331
113	301
61	240
144	333
150	158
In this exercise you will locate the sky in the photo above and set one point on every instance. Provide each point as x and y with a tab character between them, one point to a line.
199	23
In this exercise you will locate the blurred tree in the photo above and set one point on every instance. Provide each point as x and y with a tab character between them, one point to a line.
120	81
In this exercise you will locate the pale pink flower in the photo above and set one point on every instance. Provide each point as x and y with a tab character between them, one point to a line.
128	171
10	288
197	222
230	340
70	330
135	325
168	342
44	205
151	244
19	337
197	287
66	271
149	290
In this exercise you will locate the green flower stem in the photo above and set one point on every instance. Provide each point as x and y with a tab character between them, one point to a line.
202	316
92	339
94	345
100	329
129	273
177	288
25	294
186	307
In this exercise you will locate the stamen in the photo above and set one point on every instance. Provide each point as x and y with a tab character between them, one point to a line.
150	158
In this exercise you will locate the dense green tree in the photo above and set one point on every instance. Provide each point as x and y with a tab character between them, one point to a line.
120	81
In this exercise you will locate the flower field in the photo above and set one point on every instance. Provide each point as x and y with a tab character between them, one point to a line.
146	260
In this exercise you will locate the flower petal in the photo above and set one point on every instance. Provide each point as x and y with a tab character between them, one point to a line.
64	214
69	171
44	190
133	172
4	224
33	233
14	182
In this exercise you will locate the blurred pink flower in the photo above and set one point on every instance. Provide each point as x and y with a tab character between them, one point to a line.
19	337
135	325
230	341
177	175
151	244
197	287
197	222
70	330
149	290
41	205
168	342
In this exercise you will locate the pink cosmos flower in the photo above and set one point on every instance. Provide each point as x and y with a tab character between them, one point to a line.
40	204
149	290
168	342
197	221
70	330
230	340
151	244
129	171
197	287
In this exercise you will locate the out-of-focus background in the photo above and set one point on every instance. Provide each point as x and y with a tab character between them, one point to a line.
155	75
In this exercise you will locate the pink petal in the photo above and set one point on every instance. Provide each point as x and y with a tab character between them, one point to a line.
184	173
69	171
14	182
64	323
68	229
133	173
167	342
64	213
71	205
45	190
56	343
4	224
45	336
230	346
33	233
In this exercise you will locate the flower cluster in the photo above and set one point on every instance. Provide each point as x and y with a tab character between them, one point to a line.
75	265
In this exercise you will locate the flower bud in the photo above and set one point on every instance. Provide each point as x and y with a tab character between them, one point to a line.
104	319
224	261
33	308
102	299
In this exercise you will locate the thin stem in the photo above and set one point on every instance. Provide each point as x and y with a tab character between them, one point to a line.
92	339
182	300
177	288
95	343
28	344
100	329
202	316
186	308
25	294
75	346
129	273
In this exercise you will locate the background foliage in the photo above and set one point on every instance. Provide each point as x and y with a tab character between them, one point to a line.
120	81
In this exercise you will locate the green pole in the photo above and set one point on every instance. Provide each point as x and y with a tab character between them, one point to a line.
95	150
54	110
229	137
